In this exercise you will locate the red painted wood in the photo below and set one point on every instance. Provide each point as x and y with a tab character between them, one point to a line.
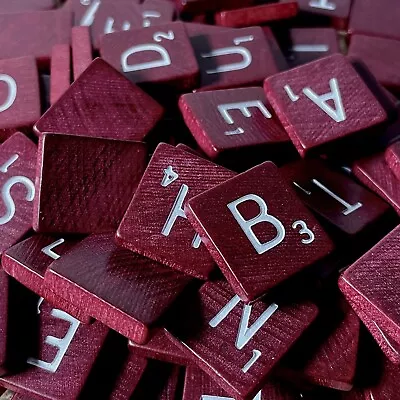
392	157
60	71
121	289
153	55
258	15
149	228
294	96
26	5
200	6
81	49
213	349
99	177
255	256
118	110
232	120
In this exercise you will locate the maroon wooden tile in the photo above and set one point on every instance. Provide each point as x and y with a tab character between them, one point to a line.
35	32
392	157
337	10
66	354
376	174
345	204
98	181
380	56
375	19
81	49
194	29
159	347
302	99
124	290
26	5
155	224
234	58
118	110
309	44
153	55
19	93
236	356
17	167
233	119
60	71
271	234
257	15
28	261
201	6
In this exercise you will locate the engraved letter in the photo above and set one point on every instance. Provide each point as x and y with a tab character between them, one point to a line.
88	17
323	4
164	61
48	250
108	27
12	92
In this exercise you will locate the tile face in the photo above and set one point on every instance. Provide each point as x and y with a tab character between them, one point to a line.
153	55
223	120
26	5
237	354
66	354
200	6
81	49
17	177
124	290
272	234
119	110
28	261
99	177
234	58
303	99
155	224
257	15
342	202
60	71
392	157
388	386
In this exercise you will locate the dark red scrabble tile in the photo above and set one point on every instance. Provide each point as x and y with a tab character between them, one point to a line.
392	157
35	33
339	200
303	99
65	356
375	19
257	15
98	181
380	56
309	44
234	58
195	29
26	5
159	347
81	49
19	93
119	110
153	55
201	6
236	356
376	174
123	290
271	234
337	10
233	119
17	176
28	261
388	386
60	71
155	224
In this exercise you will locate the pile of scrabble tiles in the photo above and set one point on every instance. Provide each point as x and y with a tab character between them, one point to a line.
200	199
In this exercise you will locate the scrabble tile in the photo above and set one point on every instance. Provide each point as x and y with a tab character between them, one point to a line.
376	174
381	57
155	224
35	32
99	177
26	5
123	290
28	261
233	119
276	49
257	15
65	356
237	357
271	234
302	99
220	66
343	203
337	10
200	6
153	55
159	347
310	44
375	19
17	167
388	385
392	157
60	72
81	49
